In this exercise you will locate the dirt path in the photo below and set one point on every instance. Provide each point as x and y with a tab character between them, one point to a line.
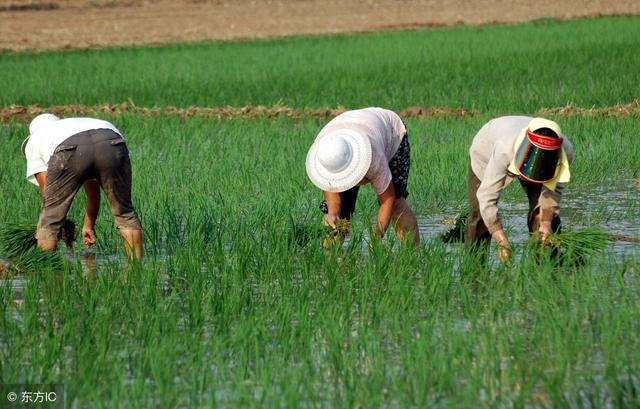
24	113
40	25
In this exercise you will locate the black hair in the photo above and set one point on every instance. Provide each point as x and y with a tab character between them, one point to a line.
546	132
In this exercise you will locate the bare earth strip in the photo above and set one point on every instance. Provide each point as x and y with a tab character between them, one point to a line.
42	25
24	113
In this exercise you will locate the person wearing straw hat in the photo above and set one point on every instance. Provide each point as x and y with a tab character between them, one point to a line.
535	151
64	155
363	146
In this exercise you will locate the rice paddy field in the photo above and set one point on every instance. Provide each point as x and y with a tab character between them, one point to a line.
238	305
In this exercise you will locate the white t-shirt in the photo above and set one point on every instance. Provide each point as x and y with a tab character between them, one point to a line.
43	143
385	131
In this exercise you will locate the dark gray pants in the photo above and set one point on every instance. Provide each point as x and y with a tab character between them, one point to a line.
99	154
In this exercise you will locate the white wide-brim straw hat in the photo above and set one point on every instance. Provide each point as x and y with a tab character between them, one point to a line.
339	160
37	124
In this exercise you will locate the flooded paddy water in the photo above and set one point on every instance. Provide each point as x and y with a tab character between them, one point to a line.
614	209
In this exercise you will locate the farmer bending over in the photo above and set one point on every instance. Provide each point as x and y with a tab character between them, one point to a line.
531	149
64	155
364	146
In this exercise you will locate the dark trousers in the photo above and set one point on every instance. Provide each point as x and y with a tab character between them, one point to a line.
96	154
476	233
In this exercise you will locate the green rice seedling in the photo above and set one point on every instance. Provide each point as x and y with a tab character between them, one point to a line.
34	261
572	248
301	71
18	238
456	233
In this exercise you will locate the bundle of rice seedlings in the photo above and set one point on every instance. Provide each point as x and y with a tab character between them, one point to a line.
35	261
18	238
573	247
588	241
456	233
301	234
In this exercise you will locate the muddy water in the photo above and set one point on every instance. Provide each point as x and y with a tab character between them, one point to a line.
615	209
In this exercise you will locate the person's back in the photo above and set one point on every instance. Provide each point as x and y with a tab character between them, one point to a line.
64	155
384	127
496	137
535	151
47	135
368	145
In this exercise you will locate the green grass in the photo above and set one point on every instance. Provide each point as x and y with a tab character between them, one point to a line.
227	309
230	309
495	69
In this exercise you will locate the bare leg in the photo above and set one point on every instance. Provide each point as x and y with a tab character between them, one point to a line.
404	222
132	243
48	245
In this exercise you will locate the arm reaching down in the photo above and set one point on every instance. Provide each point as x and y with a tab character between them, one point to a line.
41	178
387	199
334	202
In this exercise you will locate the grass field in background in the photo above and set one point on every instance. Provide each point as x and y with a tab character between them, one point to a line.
233	308
494	69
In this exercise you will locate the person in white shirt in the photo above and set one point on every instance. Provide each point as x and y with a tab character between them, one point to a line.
362	146
535	151
64	155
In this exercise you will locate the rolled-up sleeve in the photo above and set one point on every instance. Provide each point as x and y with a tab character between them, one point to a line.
35	163
493	182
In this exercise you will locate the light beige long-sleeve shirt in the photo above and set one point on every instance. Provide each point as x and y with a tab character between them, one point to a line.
491	153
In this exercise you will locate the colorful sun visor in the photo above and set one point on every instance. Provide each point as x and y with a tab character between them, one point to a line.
537	157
